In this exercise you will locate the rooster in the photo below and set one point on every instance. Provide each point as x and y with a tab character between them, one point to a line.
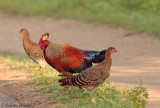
68	59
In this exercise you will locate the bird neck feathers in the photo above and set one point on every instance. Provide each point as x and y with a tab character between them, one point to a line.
108	60
44	44
108	57
26	37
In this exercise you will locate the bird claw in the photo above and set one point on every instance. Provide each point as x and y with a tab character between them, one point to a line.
43	69
63	90
34	69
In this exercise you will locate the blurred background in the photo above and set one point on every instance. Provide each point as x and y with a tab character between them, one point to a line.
132	26
66	22
141	15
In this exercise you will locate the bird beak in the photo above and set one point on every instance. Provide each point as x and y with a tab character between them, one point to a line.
20	31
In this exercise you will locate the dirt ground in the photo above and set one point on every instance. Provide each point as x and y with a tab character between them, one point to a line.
14	91
138	57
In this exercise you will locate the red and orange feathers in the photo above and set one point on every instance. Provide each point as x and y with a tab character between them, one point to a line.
66	58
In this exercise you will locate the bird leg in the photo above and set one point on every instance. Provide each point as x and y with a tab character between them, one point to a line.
69	89
93	99
43	70
66	88
83	88
93	89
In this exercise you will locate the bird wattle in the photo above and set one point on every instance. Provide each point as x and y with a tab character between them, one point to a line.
43	43
42	47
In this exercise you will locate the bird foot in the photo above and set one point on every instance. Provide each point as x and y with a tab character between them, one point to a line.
69	89
63	90
34	69
43	69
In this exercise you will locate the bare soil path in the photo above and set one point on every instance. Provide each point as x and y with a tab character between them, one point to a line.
138	57
6	100
14	92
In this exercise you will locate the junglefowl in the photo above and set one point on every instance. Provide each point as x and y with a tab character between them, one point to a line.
33	50
66	58
92	77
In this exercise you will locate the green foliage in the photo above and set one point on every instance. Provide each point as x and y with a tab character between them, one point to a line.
106	96
137	96
140	15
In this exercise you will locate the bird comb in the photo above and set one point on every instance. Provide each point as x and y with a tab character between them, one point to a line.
45	36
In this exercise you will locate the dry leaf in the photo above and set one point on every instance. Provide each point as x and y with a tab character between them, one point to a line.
93	100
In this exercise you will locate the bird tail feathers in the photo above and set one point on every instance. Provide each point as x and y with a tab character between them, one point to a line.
66	81
66	74
99	58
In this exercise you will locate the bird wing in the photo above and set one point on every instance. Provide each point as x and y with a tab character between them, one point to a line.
84	79
72	57
63	57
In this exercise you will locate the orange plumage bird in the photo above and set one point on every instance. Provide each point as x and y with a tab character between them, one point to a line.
66	58
33	50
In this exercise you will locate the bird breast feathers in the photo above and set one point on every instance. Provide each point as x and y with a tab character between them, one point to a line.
57	50
54	50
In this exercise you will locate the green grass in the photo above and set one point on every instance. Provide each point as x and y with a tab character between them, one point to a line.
140	15
106	96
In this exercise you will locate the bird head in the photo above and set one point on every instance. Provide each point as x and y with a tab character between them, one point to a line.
23	31
45	36
111	50
43	41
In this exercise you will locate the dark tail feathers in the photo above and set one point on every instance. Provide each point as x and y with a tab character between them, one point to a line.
66	74
66	82
99	58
